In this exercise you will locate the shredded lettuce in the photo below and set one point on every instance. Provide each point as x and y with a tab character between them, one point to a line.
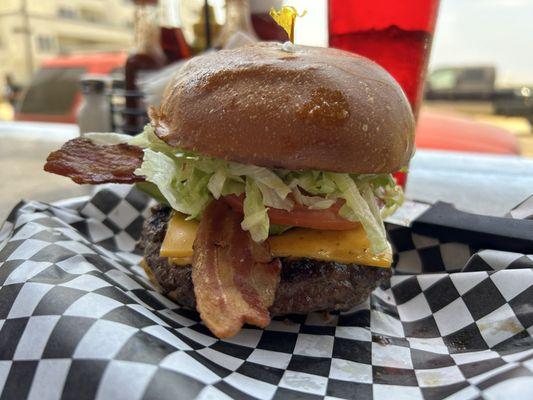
312	202
107	138
161	171
153	191
264	176
272	198
189	181
385	189
357	208
255	213
148	139
313	182
217	181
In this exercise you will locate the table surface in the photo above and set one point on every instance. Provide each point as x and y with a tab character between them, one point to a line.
478	183
484	184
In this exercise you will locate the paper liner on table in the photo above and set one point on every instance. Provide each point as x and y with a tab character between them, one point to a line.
79	319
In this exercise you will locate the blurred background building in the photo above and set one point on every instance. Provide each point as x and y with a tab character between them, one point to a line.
33	30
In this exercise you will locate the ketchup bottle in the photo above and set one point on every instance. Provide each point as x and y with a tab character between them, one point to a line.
172	39
147	55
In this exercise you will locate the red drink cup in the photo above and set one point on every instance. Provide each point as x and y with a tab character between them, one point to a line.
395	34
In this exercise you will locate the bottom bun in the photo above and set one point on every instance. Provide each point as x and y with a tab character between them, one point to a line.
305	286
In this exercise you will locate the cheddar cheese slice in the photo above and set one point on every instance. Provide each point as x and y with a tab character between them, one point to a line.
346	247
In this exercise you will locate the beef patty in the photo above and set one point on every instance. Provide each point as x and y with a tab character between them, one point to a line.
306	285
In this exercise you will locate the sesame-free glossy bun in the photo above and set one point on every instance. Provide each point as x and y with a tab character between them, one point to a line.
311	109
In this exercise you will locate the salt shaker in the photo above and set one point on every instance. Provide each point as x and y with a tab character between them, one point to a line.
94	114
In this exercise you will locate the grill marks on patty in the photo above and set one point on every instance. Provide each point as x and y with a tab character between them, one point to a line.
305	285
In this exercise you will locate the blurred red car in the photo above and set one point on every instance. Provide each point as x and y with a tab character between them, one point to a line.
440	131
53	94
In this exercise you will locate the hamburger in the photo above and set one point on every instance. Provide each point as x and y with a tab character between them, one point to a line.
272	168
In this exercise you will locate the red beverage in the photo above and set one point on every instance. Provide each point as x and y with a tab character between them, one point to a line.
395	34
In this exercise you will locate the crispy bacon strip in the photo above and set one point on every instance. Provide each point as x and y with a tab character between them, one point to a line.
234	278
85	162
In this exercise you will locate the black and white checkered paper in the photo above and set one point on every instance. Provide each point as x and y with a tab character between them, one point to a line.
79	320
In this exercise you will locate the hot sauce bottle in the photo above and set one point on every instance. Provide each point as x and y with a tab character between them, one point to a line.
173	41
147	55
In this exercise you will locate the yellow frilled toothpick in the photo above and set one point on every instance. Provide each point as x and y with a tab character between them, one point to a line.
285	18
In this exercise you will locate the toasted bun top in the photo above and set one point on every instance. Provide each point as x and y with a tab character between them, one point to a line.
311	109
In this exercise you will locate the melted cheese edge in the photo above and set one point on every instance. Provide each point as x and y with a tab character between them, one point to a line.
346	247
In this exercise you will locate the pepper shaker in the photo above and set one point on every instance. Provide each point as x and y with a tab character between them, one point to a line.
94	114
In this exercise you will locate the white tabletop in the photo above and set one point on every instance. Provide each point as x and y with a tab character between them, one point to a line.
479	183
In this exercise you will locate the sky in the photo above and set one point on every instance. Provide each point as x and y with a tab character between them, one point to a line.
498	32
469	32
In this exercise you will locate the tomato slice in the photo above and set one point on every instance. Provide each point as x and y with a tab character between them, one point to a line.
328	219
